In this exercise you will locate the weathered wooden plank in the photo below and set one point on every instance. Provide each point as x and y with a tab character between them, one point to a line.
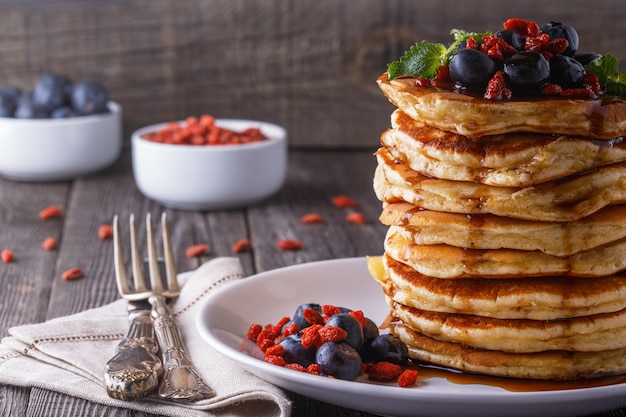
307	65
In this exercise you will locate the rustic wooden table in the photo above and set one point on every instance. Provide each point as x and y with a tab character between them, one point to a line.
33	291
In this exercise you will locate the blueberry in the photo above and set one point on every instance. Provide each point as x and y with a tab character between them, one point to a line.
295	352
561	30
89	97
386	347
351	325
512	38
62	113
527	72
472	69
299	319
586	57
52	91
8	100
339	360
566	72
26	109
370	332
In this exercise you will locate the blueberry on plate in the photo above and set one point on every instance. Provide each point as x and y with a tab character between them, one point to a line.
351	325
527	72
339	360
26	109
566	72
295	352
89	97
52	91
386	348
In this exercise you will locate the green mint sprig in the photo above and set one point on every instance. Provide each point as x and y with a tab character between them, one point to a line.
424	59
606	68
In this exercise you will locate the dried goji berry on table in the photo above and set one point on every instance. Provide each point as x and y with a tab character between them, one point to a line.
105	231
241	245
196	250
408	377
289	244
49	243
343	201
312	218
72	273
356	218
7	255
50	212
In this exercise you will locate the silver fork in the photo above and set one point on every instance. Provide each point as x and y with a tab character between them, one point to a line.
180	380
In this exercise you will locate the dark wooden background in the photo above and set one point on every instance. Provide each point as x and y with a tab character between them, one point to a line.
309	65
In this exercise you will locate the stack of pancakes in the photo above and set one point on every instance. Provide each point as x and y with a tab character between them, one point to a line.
507	234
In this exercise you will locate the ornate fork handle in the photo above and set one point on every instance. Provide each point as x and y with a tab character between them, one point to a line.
180	381
135	369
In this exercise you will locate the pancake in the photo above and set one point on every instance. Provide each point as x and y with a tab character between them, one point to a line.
581	334
486	231
555	365
475	116
510	160
567	199
451	262
529	298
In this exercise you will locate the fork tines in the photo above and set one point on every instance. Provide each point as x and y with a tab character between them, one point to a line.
141	290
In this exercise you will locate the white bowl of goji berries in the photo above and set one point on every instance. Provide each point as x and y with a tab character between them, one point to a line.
209	164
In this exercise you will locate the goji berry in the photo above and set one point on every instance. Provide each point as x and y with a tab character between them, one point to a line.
360	316
7	255
332	334
196	250
289	244
496	88
516	25
265	344
241	245
296	367
105	231
314	369
253	331
72	273
312	218
591	82
343	201
49	243
310	336
275	360
276	350
291	329
330	310
384	371
312	316
408	377
356	218
280	324
50	212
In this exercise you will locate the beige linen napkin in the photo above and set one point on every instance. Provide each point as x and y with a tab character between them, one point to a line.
69	354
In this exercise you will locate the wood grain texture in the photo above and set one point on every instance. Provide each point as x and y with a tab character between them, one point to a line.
307	65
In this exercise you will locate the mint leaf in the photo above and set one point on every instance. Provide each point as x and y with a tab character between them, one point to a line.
606	68
461	36
422	60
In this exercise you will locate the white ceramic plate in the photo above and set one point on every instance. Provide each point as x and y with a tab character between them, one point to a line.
264	298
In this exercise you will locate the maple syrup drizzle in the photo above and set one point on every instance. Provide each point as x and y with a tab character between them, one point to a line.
513	384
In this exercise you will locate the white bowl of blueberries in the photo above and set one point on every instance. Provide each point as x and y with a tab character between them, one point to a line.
58	131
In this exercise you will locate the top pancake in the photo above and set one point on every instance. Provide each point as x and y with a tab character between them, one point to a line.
510	160
475	116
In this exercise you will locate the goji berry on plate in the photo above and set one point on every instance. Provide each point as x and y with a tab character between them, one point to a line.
384	371
105	231
196	250
7	255
343	201
241	245
289	244
49	243
72	273
408	377
50	212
